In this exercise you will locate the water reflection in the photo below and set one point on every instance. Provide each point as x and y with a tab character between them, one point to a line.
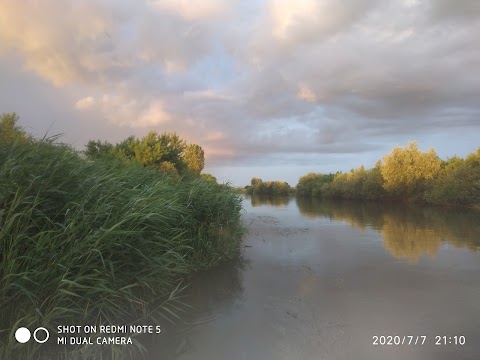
268	200
408	231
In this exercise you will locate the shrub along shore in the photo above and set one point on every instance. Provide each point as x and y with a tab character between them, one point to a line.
101	241
406	174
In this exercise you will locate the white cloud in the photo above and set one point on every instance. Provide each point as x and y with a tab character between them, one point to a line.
312	21
152	116
193	10
208	95
288	16
125	111
85	103
62	42
306	94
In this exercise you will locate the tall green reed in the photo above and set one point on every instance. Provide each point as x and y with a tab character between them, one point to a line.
101	241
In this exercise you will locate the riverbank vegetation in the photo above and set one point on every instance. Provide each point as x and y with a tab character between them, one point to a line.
104	237
258	187
406	174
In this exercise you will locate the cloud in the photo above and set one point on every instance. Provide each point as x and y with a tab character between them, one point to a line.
85	103
258	81
305	93
310	20
208	95
215	136
124	112
101	41
61	42
455	10
193	10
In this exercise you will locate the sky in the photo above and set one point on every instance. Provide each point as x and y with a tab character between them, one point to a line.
272	89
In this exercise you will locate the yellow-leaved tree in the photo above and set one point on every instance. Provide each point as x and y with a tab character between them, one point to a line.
407	170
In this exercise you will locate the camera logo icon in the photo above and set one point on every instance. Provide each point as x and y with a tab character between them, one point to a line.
23	335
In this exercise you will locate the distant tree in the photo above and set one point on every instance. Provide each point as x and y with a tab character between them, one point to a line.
194	158
473	159
125	149
154	149
275	188
166	152
168	168
360	183
312	184
209	177
256	181
268	187
96	149
175	146
372	188
458	183
255	187
406	170
10	131
452	163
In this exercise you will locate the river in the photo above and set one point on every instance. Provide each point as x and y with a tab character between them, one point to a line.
337	280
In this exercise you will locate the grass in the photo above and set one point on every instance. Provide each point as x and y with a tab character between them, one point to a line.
90	242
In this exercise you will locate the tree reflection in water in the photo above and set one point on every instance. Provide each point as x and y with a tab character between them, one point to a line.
407	231
268	200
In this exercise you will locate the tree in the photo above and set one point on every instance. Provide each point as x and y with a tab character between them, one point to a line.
372	188
125	149
194	158
166	152
153	150
256	181
96	149
256	186
406	170
209	177
10	131
174	146
458	183
312	183
473	159
168	168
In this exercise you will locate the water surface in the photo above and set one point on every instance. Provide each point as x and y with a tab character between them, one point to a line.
319	280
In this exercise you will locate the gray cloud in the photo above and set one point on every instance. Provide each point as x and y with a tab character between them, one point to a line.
255	82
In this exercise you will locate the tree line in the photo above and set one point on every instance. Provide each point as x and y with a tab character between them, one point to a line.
166	152
259	187
405	174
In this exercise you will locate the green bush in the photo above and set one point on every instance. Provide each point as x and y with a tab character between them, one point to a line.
458	184
312	184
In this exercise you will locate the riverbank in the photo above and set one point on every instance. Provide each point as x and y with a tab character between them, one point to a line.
101	241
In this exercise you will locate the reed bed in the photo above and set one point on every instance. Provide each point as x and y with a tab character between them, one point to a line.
101	241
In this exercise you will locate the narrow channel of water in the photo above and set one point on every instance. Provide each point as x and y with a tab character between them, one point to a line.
327	280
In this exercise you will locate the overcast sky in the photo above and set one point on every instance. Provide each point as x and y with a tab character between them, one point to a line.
272	89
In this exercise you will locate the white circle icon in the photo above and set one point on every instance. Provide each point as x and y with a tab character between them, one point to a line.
22	335
47	335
